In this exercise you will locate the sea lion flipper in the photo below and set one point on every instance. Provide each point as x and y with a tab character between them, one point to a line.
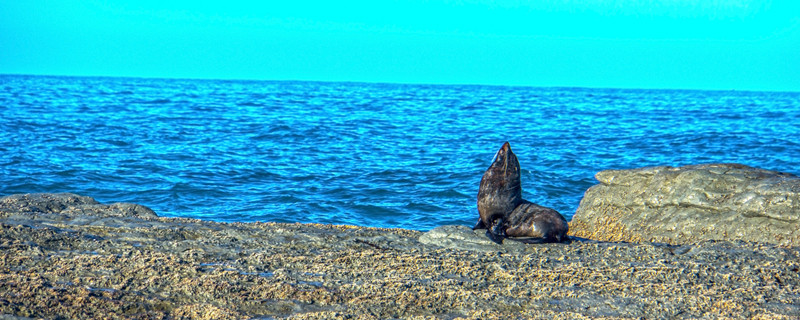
479	225
497	239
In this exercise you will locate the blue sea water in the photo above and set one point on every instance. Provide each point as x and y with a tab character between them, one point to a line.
382	155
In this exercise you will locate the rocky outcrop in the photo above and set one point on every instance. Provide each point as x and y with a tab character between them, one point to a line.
690	204
69	204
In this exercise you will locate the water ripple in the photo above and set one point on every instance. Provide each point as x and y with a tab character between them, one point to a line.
382	155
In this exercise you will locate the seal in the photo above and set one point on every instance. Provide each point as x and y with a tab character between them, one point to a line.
499	193
503	212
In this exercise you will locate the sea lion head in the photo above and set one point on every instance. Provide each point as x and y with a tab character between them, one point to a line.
504	174
500	191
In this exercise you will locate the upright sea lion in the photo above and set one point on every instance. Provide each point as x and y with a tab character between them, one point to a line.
505	214
499	193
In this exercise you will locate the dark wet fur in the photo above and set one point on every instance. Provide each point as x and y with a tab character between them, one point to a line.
531	220
505	214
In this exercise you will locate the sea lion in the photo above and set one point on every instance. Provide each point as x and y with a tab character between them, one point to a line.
499	193
505	214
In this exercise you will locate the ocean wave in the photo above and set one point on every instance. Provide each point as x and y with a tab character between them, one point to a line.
381	155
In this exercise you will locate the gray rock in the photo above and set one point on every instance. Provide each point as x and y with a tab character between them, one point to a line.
464	238
690	204
69	204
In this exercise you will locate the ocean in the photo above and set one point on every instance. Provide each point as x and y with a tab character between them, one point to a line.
381	155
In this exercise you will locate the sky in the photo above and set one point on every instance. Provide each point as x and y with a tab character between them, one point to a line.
669	44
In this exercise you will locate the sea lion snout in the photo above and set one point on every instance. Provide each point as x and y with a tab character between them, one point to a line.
502	155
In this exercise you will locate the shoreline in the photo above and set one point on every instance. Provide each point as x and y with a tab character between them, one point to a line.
77	259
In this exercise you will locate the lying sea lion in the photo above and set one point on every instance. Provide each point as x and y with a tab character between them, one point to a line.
505	214
539	224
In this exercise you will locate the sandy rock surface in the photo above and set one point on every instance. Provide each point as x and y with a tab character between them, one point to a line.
58	261
689	204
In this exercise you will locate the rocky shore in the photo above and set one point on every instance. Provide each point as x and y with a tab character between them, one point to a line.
685	205
67	256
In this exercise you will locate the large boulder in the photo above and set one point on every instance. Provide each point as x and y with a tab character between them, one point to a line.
690	204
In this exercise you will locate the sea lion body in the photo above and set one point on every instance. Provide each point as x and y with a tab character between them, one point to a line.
505	214
530	220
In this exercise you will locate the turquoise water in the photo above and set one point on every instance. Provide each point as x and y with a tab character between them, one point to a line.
383	155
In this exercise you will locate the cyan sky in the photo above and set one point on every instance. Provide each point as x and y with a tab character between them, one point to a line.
695	44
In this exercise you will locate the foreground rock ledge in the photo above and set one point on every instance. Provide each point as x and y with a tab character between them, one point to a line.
690	204
61	256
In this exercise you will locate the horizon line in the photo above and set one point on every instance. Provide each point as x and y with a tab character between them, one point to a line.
391	83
